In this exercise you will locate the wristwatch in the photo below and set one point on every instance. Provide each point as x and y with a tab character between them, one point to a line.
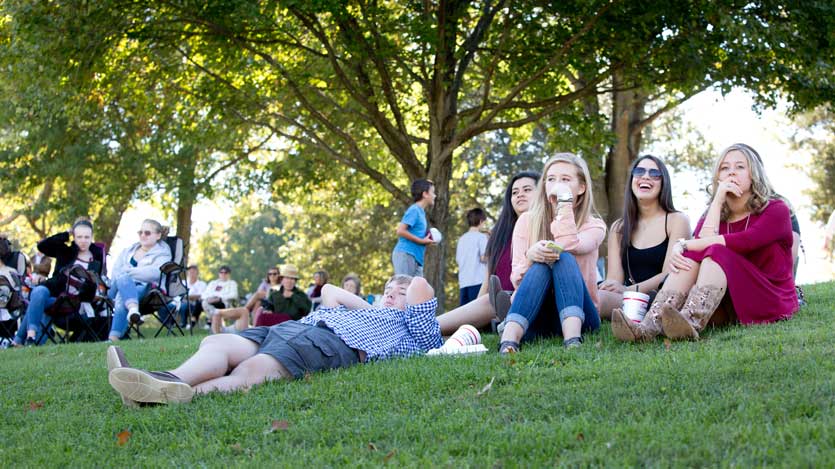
682	243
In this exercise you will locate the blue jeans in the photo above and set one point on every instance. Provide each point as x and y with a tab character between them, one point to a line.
550	294
124	290
39	300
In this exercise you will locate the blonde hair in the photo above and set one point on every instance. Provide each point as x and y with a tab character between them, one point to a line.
162	230
542	211
399	279
761	189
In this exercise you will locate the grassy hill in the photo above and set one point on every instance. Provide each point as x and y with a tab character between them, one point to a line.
741	396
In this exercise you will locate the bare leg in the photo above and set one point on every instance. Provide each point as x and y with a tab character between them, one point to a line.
609	300
252	371
239	315
477	313
217	323
216	355
711	273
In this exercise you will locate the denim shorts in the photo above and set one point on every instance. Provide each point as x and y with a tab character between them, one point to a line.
302	348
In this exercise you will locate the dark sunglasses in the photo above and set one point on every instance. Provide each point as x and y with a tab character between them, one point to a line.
272	273
637	172
145	232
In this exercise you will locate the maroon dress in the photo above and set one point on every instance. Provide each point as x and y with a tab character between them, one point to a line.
757	261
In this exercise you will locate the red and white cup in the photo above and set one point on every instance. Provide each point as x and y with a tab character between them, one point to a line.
635	305
465	335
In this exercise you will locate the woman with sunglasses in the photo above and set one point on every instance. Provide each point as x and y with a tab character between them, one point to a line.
136	268
639	244
241	315
68	248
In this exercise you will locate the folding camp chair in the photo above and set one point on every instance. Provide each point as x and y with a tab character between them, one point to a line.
13	299
164	297
71	320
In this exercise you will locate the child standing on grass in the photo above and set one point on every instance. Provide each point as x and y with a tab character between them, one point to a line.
412	232
470	256
343	332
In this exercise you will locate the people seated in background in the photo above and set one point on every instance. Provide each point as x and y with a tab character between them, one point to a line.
5	254
286	303
741	252
195	293
78	250
345	331
41	267
639	242
555	246
220	293
320	278
136	268
353	284
517	198
240	316
470	254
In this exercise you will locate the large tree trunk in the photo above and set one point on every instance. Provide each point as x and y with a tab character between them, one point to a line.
627	114
186	196
435	260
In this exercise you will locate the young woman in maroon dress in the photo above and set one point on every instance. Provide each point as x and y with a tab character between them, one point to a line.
742	248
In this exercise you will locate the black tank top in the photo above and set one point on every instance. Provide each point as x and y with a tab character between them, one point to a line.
643	264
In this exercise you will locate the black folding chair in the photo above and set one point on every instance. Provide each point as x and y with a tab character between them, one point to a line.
164	297
68	320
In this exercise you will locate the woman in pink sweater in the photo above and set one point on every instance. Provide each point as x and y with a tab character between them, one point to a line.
554	259
742	249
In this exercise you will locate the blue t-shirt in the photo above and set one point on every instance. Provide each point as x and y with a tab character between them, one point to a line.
415	219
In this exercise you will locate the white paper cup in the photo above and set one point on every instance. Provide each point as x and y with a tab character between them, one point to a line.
635	305
465	335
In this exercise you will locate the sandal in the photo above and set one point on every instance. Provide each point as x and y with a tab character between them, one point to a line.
573	342
508	346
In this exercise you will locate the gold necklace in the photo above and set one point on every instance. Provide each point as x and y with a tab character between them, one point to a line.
728	225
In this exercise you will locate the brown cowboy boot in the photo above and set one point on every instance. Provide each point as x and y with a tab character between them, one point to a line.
624	329
694	316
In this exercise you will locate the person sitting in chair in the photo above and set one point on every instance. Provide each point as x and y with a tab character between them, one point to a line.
343	332
286	303
219	293
80	251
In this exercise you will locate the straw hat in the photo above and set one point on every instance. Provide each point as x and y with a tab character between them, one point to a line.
289	270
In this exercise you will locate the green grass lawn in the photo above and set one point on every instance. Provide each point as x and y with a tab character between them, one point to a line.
742	396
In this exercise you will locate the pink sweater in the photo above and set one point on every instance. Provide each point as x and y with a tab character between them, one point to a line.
582	242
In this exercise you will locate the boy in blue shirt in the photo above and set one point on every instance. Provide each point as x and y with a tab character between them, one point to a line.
413	231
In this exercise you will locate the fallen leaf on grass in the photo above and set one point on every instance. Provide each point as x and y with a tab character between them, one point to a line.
390	455
372	447
161	349
581	437
307	377
667	344
236	448
35	405
598	345
80	354
487	387
277	425
122	437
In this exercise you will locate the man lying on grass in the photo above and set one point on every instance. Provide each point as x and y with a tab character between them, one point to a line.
344	331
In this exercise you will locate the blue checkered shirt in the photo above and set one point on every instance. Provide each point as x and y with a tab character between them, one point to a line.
383	332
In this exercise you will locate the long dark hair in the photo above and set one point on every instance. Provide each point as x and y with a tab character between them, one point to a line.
507	220
630	202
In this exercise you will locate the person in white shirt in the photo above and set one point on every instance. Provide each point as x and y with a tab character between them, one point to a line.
470	255
195	292
220	293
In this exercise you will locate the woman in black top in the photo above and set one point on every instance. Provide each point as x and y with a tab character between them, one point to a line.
639	243
81	251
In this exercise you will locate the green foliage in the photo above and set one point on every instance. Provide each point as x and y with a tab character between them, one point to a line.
250	242
817	138
741	396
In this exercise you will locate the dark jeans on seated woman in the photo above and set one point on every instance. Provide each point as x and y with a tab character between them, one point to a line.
550	293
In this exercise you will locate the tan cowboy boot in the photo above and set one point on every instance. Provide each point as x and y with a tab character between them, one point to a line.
624	329
694	316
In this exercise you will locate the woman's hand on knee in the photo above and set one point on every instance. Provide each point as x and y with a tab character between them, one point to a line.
678	262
